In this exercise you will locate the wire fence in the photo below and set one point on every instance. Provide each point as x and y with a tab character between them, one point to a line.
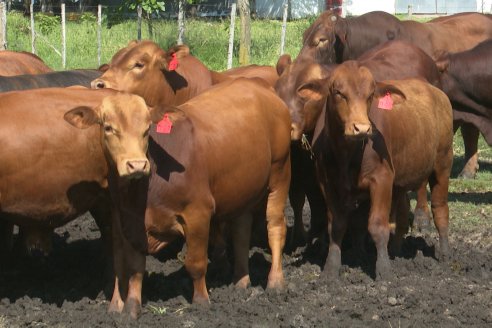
88	36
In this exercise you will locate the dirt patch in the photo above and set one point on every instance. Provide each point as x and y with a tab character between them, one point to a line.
67	289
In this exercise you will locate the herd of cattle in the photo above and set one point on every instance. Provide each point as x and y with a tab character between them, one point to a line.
156	146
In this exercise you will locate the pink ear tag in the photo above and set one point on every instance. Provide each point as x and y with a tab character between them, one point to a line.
173	64
386	102
164	126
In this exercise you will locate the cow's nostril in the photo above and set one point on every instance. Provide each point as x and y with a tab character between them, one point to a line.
362	128
100	85
136	166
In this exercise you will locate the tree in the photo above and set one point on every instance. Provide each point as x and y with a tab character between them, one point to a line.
245	39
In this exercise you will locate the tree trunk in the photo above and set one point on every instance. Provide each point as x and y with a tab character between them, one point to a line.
245	39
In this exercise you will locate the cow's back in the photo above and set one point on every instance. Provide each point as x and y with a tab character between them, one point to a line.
48	80
15	63
226	133
49	169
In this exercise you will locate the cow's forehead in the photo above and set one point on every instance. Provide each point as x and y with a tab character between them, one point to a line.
136	51
124	108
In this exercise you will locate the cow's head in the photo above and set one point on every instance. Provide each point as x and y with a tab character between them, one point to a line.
351	92
140	69
125	121
323	41
296	86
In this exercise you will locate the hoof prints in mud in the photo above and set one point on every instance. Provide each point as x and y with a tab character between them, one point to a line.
69	289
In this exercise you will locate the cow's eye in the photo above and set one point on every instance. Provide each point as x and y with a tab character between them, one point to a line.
108	129
138	65
338	94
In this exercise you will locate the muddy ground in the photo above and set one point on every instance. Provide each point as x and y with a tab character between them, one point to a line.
67	289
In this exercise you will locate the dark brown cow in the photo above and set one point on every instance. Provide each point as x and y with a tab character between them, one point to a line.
160	77
466	79
333	39
51	172
372	144
221	158
16	63
390	60
268	73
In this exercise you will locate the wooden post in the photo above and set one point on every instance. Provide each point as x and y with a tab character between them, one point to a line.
284	27
245	39
139	23
64	37
33	32
99	29
231	35
409	11
181	23
3	27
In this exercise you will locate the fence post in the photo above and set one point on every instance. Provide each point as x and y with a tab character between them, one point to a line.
33	32
99	44
284	27
3	27
64	37
231	35
181	18
139	23
409	11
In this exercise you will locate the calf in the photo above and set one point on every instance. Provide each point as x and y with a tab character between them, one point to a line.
374	142
21	62
212	160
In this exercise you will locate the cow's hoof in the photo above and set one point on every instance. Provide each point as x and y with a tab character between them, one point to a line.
467	174
443	254
383	270
201	300
277	283
243	282
133	308
421	220
115	307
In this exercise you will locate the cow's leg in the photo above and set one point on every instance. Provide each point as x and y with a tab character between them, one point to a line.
399	213
101	212
470	138
276	222
196	231
378	225
337	226
421	216
439	183
316	205
129	268
241	235
6	239
297	233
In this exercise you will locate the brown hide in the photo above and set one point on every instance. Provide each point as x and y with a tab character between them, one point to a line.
50	172
401	149
267	73
142	68
16	63
223	156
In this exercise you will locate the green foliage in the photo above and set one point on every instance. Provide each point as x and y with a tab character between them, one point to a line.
88	17
46	23
149	6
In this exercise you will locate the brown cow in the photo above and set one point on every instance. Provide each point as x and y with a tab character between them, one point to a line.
51	172
160	77
16	63
333	39
390	60
374	142
219	158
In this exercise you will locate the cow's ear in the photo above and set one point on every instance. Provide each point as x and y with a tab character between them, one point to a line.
132	43
82	117
312	90
341	30
180	51
442	63
174	114
283	62
103	68
383	89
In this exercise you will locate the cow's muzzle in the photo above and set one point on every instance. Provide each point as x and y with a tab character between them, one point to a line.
135	168
98	84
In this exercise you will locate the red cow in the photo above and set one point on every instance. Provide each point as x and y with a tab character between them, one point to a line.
268	73
374	142
212	160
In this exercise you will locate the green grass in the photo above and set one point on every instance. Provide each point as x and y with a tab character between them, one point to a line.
207	39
